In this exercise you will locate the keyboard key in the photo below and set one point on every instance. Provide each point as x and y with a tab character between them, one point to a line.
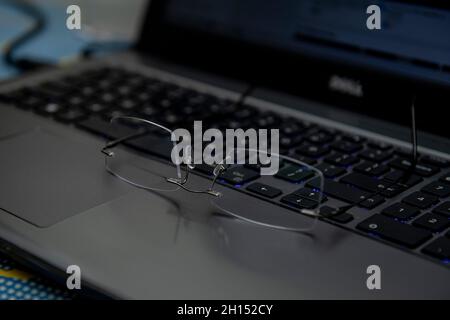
311	194
104	128
287	142
353	138
394	231
149	111
372	202
421	200
371	168
340	191
330	213
439	248
127	104
434	161
267	120
375	155
205	168
31	102
346	146
433	222
71	115
96	107
221	107
403	153
361	181
443	208
445	178
401	211
298	202
380	145
125	90
239	175
294	173
75	101
437	189
107	97
390	190
170	119
384	187
152	144
258	166
331	171
245	112
264	190
423	170
313	151
49	109
403	178
113	113
341	159
17	96
292	128
320	137
87	91
304	159
52	90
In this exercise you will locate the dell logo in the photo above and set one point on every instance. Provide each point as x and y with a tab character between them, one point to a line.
346	85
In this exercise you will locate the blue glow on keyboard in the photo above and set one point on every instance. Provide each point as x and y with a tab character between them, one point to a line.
446	261
374	235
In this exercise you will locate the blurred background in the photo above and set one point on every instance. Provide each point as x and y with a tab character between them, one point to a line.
102	20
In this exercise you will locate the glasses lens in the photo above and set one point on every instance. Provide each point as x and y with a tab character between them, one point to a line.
127	155
285	181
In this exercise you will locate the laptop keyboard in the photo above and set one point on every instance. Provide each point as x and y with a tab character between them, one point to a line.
357	170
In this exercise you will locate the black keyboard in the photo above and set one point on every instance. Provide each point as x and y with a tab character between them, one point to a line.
358	171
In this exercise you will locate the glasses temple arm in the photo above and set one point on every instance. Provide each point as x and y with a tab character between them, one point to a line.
414	155
114	143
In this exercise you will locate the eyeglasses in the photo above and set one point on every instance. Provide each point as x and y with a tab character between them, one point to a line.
135	139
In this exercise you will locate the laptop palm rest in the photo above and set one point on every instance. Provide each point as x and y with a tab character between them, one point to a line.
46	178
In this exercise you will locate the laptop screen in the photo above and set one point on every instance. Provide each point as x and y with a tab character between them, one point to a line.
323	49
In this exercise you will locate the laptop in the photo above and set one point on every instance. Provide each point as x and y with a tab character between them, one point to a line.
340	95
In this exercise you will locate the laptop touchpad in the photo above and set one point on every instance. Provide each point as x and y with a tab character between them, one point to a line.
46	178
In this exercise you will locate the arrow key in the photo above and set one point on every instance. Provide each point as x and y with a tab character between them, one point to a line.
264	190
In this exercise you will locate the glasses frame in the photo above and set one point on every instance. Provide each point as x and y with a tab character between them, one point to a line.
181	182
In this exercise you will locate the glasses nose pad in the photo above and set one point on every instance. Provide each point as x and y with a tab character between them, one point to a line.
219	169
187	159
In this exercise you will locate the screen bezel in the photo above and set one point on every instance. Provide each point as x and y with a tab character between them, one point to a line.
297	74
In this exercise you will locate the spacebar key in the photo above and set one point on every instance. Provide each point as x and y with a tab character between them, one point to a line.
340	191
394	231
